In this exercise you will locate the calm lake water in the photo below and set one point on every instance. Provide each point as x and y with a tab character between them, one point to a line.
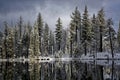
58	70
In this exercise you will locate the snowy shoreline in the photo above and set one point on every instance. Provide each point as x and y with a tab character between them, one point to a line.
101	56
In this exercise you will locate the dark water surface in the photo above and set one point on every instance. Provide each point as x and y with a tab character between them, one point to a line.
58	70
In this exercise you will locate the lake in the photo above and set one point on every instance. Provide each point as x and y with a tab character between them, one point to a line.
61	70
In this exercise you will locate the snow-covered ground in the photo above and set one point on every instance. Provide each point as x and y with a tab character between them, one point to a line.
101	56
102	62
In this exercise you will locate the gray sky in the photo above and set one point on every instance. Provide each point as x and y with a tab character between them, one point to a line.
10	10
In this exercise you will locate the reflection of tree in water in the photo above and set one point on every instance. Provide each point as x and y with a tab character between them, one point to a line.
47	71
8	71
34	71
44	71
56	71
21	71
82	71
59	71
14	71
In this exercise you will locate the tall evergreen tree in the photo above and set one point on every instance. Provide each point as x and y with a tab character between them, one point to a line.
95	35
8	51
63	42
5	40
101	24
58	33
51	43
40	30
72	38
109	30
20	25
94	26
46	39
75	29
86	30
118	35
1	42
111	36
76	23
26	40
34	43
16	38
10	44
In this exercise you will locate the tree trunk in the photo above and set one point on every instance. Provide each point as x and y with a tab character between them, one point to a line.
40	44
111	46
76	35
85	48
86	69
71	57
71	69
58	46
70	48
5	44
100	48
101	72
112	70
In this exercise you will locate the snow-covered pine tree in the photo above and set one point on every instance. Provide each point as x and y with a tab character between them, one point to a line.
64	39
4	55
76	23
75	30
118	35
67	45
16	49
86	30
1	42
20	26
46	40
31	48
58	34
51	43
28	31
72	37
95	35
101	24
40	30
110	37
10	44
26	40
34	50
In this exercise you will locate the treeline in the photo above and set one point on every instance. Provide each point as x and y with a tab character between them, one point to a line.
84	35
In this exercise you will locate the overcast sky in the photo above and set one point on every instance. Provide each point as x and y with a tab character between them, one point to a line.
10	10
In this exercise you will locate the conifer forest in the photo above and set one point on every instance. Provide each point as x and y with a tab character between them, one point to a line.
87	49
